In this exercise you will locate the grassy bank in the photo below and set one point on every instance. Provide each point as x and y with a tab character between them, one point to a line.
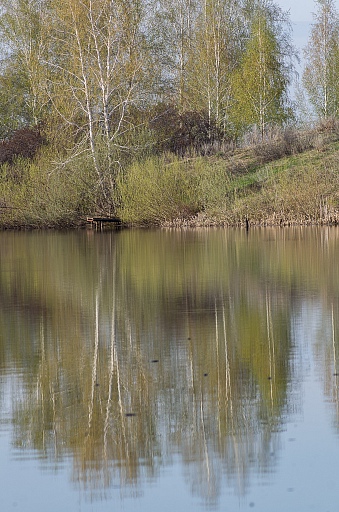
293	178
285	181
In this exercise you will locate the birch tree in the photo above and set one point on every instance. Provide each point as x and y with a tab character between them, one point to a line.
212	59
321	73
173	32
260	83
23	77
96	74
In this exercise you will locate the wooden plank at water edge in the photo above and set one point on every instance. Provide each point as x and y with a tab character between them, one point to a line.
99	221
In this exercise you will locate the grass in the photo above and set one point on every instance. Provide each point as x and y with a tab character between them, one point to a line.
298	189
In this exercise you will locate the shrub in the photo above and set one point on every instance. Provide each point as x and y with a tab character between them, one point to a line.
160	190
23	143
47	195
155	191
183	132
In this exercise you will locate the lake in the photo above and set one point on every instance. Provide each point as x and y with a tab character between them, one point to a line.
172	370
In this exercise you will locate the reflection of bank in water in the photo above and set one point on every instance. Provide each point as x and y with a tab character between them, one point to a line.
152	345
127	426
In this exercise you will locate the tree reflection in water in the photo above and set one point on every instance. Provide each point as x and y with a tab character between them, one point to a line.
133	347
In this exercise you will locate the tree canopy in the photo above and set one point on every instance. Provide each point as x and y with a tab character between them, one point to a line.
112	80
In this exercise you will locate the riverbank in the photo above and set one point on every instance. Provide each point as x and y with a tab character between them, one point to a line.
263	189
292	179
300	189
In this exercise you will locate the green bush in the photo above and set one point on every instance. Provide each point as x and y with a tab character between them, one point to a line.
155	191
162	189
47	194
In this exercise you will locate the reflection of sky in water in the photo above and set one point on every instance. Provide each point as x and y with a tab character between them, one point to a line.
306	474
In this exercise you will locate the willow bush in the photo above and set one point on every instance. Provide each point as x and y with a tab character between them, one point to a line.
161	189
154	191
40	193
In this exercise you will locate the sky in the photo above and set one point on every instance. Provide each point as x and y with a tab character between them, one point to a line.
301	10
301	17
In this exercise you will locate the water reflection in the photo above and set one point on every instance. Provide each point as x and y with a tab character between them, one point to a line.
125	349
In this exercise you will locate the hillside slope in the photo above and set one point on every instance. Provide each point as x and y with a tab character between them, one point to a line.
302	188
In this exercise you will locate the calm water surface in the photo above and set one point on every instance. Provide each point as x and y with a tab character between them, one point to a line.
169	370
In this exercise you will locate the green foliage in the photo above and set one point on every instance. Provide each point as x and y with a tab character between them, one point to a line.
140	79
259	84
157	191
40	193
154	191
215	183
23	80
167	190
212	55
